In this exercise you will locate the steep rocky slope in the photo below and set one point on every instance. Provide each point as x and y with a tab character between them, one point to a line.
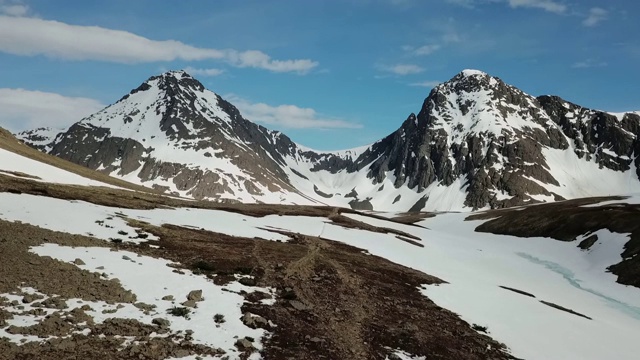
476	142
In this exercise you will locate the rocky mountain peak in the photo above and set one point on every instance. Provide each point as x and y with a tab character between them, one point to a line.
470	81
171	83
476	142
478	84
179	79
476	102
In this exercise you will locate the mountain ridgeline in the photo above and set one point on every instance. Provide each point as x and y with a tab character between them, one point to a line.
475	143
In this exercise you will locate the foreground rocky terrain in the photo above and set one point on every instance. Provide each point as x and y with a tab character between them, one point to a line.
306	298
98	268
475	143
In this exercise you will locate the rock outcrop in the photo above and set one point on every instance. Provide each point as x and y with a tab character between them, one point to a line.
477	142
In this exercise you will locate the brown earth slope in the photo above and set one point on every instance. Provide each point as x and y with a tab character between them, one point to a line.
567	220
333	301
10	143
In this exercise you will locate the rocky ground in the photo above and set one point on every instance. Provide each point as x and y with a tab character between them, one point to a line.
567	220
332	301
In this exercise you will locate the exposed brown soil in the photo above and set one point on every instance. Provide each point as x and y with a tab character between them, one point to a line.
518	291
80	346
138	200
20	268
20	174
567	220
333	301
10	143
562	308
412	218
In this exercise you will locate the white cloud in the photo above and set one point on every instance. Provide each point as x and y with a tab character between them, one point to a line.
547	5
26	109
427	84
402	69
31	37
287	116
451	36
422	50
427	49
203	72
588	63
13	8
464	3
596	15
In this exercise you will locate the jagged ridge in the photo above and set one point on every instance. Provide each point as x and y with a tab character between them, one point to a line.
476	142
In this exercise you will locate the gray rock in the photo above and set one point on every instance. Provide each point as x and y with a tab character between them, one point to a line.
244	344
248	281
254	321
161	322
190	303
29	298
299	305
418	154
195	295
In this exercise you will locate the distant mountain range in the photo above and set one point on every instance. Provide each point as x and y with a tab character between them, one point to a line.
475	143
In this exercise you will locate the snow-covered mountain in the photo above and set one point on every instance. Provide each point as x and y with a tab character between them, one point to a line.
139	275
476	143
527	293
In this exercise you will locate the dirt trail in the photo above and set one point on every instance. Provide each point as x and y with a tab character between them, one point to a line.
332	300
354	306
302	273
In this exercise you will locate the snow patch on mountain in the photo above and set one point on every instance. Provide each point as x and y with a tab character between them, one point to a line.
476	143
12	162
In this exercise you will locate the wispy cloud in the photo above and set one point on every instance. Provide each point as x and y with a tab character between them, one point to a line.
402	69
26	109
13	8
596	16
451	36
30	37
422	50
288	116
588	63
427	84
546	5
203	72
401	2
470	4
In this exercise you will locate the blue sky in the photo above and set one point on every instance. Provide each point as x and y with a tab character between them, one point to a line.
330	74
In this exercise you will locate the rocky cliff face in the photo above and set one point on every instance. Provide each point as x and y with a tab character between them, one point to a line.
476	142
611	140
172	133
477	128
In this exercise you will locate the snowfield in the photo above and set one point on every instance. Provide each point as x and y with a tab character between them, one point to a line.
302	176
10	161
140	273
474	265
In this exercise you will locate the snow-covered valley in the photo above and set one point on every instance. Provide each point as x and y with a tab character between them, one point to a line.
493	281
